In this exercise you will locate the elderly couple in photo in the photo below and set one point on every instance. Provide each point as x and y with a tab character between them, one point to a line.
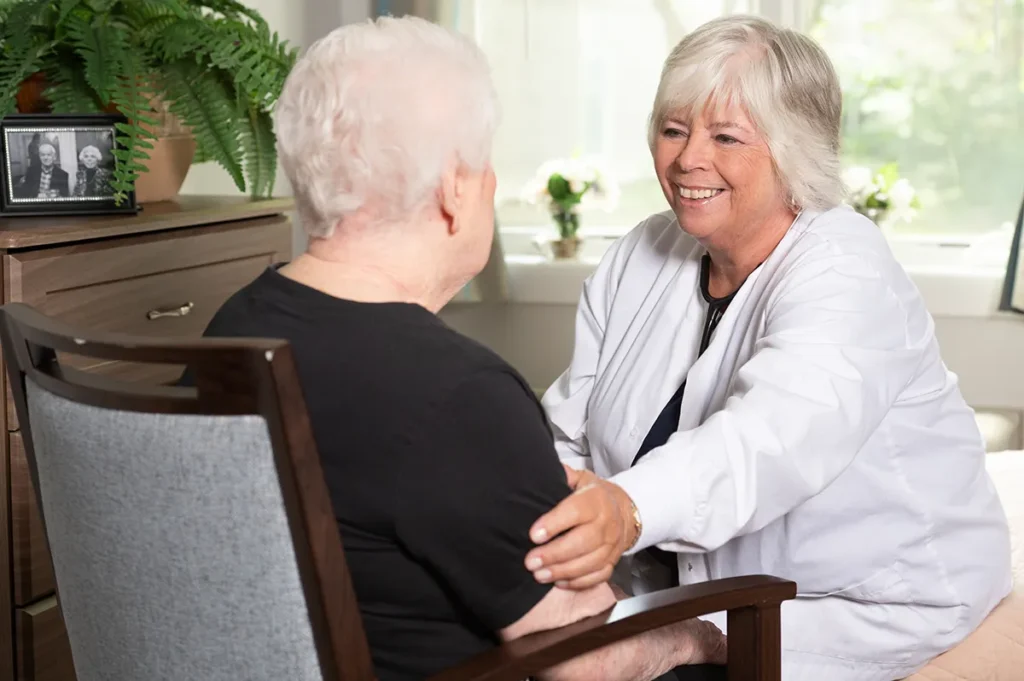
755	388
45	179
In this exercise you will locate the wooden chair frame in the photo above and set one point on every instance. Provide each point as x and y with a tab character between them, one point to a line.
257	377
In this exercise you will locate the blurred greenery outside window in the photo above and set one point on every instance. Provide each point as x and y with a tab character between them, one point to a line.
932	85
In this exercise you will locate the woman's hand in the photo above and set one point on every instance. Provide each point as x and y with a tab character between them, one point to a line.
597	522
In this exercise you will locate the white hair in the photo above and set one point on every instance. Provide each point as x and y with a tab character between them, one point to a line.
373	114
39	149
786	84
90	148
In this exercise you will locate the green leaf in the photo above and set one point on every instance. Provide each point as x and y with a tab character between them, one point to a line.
207	107
558	187
66	7
232	10
101	6
150	31
16	19
15	67
68	91
104	50
258	66
174	40
889	173
143	14
876	201
22	49
258	142
132	100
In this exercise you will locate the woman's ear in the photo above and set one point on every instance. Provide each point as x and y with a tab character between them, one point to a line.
451	196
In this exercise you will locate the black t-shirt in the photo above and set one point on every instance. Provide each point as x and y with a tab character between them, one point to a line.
438	459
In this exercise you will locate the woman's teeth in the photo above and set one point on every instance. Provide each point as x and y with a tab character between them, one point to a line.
698	193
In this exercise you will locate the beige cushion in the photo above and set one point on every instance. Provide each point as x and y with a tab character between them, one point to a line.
1007	472
995	651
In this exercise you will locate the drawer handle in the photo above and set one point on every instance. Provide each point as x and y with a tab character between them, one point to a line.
179	311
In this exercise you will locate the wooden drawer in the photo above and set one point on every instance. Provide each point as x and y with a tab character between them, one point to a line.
42	649
165	285
31	565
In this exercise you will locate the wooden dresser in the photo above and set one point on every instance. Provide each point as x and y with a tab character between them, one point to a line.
163	272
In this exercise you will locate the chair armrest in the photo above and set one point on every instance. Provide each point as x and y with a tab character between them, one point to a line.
752	602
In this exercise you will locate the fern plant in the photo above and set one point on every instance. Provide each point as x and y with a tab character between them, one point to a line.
215	64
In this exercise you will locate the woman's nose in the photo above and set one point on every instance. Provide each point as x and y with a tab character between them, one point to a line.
695	154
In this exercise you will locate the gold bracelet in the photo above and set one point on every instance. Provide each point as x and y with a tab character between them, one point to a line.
638	525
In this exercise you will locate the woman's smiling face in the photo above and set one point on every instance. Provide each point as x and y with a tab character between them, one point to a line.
716	171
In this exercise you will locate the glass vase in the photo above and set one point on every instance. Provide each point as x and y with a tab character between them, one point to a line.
567	245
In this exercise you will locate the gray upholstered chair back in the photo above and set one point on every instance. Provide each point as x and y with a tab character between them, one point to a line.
170	544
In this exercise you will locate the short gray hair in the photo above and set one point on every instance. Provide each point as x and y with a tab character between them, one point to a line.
372	114
94	150
785	82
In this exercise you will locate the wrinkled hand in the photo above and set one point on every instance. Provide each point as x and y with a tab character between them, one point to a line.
701	643
597	522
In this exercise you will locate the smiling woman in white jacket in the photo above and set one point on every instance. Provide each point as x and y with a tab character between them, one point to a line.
757	384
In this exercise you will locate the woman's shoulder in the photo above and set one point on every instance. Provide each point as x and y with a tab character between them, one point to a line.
656	235
641	249
845	248
658	228
838	233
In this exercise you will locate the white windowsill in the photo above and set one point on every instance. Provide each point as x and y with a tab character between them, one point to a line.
956	277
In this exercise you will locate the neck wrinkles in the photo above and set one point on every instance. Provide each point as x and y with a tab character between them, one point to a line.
731	263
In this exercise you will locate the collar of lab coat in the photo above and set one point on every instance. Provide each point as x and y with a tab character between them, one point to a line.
705	391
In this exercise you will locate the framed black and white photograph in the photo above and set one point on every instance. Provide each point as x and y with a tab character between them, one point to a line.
60	165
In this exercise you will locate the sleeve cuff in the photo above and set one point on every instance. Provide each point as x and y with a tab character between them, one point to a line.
516	604
663	512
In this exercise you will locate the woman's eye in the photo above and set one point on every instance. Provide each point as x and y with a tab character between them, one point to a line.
674	132
726	139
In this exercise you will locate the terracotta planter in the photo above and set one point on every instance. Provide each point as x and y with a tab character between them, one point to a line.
169	159
30	95
168	164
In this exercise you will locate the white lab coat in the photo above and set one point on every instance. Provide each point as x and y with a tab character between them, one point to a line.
821	439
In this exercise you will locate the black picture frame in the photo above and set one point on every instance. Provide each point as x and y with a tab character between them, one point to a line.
58	131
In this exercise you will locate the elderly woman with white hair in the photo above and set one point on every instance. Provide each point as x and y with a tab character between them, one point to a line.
756	385
91	179
435	452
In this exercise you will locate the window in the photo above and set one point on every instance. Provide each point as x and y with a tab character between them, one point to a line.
932	85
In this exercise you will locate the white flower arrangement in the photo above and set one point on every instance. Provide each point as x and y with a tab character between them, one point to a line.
881	195
566	185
